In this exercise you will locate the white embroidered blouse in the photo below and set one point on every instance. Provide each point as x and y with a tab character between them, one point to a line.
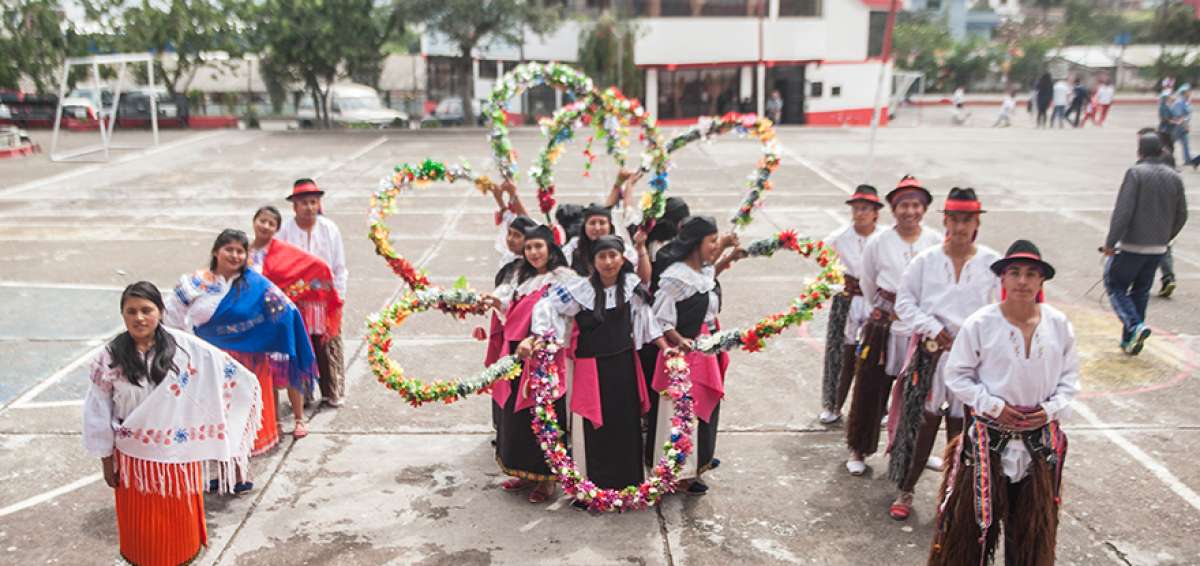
555	310
678	282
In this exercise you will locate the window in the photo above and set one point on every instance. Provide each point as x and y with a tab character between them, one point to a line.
876	28
487	68
802	8
686	8
933	4
816	89
835	91
689	93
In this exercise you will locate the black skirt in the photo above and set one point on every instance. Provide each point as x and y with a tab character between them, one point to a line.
614	451
517	450
648	357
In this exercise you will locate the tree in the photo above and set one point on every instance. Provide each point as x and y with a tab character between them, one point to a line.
34	39
469	23
191	30
606	53
317	42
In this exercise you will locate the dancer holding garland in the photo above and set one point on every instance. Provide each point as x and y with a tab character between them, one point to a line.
849	311
1016	366
612	319
884	337
307	280
598	221
162	404
686	305
942	286
243	313
517	451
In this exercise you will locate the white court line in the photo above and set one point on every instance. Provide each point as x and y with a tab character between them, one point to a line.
61	286
1153	466
47	496
36	390
821	172
93	168
48	404
338	165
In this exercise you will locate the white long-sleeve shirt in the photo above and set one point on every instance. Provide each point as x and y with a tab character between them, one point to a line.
849	245
194	300
930	299
556	310
325	242
989	368
884	259
679	282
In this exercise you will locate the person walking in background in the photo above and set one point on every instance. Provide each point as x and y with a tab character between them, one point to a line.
775	107
1181	118
960	106
1151	210
1062	93
1079	99
1045	94
1104	100
1166	125
1007	106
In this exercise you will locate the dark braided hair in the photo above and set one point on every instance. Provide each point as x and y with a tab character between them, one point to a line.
124	352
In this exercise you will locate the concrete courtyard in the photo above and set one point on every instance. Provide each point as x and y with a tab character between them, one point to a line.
379	482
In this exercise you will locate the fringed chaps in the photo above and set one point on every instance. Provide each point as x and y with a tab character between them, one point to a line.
871	387
835	337
916	380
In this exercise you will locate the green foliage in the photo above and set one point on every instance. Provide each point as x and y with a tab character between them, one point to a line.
470	23
1184	67
606	53
34	39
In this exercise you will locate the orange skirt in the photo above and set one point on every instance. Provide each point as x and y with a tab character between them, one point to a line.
161	530
268	435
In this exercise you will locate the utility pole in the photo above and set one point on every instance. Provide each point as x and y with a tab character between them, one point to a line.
887	55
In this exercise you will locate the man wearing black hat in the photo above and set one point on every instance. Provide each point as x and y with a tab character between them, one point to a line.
942	286
1016	366
884	336
849	311
313	232
1151	210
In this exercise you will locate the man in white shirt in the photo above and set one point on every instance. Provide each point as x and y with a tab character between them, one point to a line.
1104	99
1015	365
1061	94
849	311
942	286
884	337
316	234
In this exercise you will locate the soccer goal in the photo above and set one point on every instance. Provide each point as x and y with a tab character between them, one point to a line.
103	111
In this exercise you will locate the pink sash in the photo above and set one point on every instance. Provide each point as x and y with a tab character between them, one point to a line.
585	393
516	327
497	345
708	379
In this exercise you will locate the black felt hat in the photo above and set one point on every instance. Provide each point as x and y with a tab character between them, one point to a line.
1023	251
867	194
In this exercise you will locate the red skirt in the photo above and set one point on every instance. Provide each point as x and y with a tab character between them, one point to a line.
268	435
161	530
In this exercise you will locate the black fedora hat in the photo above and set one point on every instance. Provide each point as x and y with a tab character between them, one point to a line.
963	200
1023	251
867	194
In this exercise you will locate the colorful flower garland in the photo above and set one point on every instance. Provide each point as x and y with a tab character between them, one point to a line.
827	283
457	302
613	114
759	180
563	77
665	475
383	203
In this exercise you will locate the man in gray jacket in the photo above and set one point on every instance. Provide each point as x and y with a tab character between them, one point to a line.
1151	209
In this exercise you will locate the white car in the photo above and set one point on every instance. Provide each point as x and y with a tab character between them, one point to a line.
352	104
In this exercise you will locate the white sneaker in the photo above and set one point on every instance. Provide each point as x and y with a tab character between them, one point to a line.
934	463
856	467
829	417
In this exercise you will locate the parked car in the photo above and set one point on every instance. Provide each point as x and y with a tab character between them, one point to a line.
351	104
449	112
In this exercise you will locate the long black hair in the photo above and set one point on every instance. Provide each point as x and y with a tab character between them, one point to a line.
228	236
124	352
581	258
273	212
598	304
555	259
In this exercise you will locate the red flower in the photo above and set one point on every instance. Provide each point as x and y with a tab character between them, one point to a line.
751	342
788	239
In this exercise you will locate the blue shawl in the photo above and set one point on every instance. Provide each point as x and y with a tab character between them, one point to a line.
256	317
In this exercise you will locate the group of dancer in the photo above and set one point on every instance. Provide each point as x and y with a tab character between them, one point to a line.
193	378
934	326
616	298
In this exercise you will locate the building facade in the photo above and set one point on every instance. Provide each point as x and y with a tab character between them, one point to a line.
708	57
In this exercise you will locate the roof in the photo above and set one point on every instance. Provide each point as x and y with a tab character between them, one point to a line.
1105	56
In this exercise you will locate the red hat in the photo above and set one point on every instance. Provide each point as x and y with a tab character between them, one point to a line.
305	187
963	200
867	194
909	185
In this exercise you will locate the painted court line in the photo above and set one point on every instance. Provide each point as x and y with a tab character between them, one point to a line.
49	495
45	384
1155	467
361	152
821	172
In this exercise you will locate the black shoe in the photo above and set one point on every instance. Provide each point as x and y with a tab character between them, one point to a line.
697	488
714	463
242	487
579	505
1168	287
214	485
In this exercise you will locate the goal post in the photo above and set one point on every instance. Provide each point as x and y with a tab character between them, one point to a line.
106	116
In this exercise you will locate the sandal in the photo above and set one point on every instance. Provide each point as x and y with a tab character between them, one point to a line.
902	507
540	494
515	484
300	430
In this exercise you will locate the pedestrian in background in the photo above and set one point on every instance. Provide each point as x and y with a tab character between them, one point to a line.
1079	100
1104	99
1045	94
1007	106
1181	118
775	107
1061	93
1151	210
